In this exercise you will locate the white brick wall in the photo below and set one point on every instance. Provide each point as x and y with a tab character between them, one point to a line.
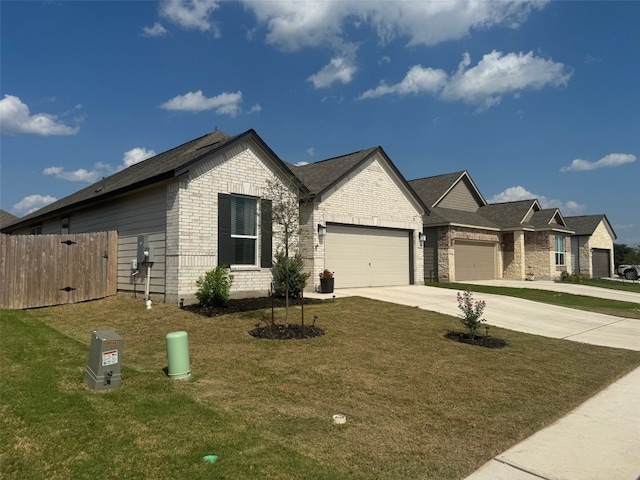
192	221
369	196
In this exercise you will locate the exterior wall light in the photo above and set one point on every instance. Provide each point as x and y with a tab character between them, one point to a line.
322	230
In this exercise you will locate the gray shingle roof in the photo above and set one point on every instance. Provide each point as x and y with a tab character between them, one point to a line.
543	218
152	170
430	189
448	216
507	214
320	176
7	218
586	224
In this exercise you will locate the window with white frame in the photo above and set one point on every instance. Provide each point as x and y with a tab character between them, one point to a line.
560	250
244	230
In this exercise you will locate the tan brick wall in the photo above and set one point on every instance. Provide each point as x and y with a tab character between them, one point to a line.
540	255
601	238
369	196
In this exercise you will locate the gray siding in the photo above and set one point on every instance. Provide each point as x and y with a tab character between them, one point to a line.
461	198
138	214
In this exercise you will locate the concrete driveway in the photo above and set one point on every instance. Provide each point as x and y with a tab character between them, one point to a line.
599	440
517	314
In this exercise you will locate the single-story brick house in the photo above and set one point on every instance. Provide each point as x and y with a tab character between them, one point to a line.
470	239
592	245
203	204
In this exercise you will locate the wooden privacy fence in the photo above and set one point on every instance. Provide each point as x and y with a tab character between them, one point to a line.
42	270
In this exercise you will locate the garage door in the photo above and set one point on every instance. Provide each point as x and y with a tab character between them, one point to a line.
367	257
475	260
600	260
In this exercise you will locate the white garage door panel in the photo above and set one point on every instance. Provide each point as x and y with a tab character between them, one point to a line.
475	260
367	257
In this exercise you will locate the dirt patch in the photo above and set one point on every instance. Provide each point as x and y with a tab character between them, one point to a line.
479	340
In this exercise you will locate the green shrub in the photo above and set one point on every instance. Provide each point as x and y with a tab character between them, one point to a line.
571	277
289	268
213	289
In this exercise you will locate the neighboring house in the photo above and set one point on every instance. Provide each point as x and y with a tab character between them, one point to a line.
592	245
470	239
203	204
362	221
7	219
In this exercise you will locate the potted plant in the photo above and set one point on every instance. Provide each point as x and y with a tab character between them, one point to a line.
530	275
326	281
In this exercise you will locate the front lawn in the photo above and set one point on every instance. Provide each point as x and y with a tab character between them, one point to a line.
616	308
418	406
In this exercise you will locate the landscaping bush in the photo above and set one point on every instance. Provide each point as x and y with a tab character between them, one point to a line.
472	312
214	288
288	268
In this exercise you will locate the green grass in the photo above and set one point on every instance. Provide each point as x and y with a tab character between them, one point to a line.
580	302
624	285
418	406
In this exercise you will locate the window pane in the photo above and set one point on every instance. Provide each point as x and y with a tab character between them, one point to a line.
243	216
244	251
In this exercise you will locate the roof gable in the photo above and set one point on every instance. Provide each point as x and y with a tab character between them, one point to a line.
509	214
321	177
454	190
585	225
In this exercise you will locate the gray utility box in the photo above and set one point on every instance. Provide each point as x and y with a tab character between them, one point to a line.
105	357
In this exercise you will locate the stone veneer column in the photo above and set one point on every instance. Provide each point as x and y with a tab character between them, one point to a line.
519	259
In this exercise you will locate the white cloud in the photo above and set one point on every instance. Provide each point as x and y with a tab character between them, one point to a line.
495	75
513	194
339	69
31	203
15	117
299	164
157	30
135	155
295	25
611	160
223	104
191	14
311	151
418	80
255	109
100	169
384	59
498	74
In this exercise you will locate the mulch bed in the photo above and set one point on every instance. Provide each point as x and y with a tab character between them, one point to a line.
290	332
270	332
486	341
246	305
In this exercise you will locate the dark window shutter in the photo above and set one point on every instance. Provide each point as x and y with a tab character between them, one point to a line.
266	247
225	247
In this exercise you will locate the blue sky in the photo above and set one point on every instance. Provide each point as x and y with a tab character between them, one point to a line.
535	99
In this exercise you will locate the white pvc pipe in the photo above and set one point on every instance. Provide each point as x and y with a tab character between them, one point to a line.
146	288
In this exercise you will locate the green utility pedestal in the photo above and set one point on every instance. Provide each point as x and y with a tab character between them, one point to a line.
105	357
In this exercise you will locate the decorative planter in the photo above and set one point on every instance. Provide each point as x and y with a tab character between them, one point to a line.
326	285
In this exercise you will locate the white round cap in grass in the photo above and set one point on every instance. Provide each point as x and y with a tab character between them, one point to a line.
339	419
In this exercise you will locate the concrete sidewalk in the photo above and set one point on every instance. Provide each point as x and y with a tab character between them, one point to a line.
599	440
